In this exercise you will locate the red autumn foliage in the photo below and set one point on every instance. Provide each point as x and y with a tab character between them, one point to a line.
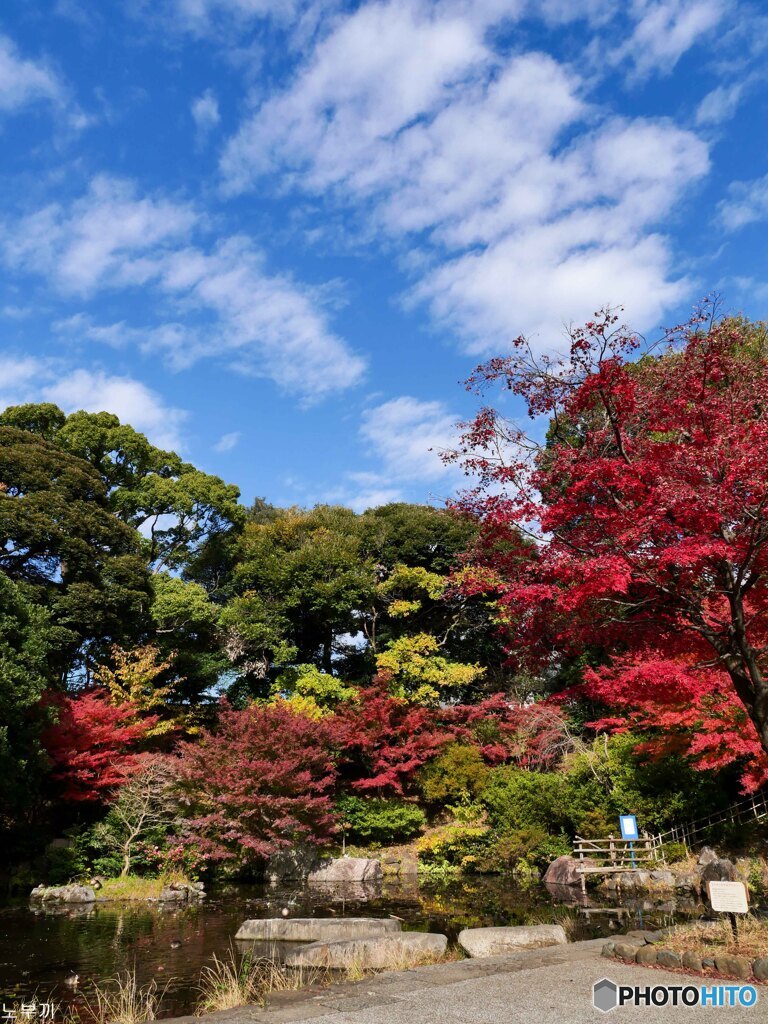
384	740
93	745
642	524
261	782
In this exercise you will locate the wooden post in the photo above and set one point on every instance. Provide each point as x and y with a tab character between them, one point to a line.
612	847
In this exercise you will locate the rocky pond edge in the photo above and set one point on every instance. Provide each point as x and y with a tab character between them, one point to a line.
646	949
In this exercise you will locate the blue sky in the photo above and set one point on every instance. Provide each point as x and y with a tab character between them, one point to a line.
277	234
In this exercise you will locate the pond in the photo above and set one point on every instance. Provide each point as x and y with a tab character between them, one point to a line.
38	949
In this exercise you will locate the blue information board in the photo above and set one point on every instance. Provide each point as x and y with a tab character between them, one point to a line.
628	826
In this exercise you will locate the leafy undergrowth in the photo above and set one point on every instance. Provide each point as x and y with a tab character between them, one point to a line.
709	939
132	887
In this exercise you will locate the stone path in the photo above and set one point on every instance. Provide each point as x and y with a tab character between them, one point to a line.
548	986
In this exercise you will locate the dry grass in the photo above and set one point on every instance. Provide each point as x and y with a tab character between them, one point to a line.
707	939
123	1001
230	982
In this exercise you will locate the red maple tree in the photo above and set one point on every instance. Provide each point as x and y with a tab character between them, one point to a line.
92	746
384	740
637	529
261	781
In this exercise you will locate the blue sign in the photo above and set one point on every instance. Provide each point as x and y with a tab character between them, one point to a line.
628	826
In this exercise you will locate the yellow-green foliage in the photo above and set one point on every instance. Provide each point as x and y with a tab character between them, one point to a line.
458	775
407	585
134	680
454	845
416	669
131	887
309	691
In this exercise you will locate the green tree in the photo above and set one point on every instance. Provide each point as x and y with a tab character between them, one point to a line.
178	508
187	631
59	538
305	571
24	650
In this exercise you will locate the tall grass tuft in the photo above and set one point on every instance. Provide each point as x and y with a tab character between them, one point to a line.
123	1001
230	982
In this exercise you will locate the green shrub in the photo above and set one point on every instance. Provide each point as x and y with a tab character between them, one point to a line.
523	850
674	852
458	775
377	820
516	799
64	863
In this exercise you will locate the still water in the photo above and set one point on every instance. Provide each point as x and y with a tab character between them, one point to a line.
38	949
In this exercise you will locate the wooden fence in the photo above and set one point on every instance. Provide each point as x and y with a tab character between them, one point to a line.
604	856
692	834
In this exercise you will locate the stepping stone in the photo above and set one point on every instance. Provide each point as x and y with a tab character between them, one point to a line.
315	929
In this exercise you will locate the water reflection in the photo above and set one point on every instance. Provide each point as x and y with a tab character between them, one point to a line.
40	947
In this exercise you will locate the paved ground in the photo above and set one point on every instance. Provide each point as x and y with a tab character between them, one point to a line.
552	986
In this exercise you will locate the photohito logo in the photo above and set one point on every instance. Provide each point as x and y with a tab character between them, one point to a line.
607	995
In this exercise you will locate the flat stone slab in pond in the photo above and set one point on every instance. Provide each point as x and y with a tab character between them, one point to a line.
315	929
376	952
496	941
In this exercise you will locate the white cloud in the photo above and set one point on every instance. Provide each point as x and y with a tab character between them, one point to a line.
268	325
262	324
39	380
129	399
24	81
402	440
521	205
205	113
385	64
227	442
95	238
666	29
407	436
747	203
720	104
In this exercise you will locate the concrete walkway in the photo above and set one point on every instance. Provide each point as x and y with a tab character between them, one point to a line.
548	986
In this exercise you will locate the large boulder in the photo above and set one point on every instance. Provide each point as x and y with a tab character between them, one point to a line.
719	870
346	869
316	929
63	894
292	864
565	871
706	856
478	942
376	952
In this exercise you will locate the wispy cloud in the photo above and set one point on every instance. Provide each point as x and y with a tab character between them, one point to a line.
720	104
227	442
24	81
205	114
665	30
747	203
261	324
402	440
